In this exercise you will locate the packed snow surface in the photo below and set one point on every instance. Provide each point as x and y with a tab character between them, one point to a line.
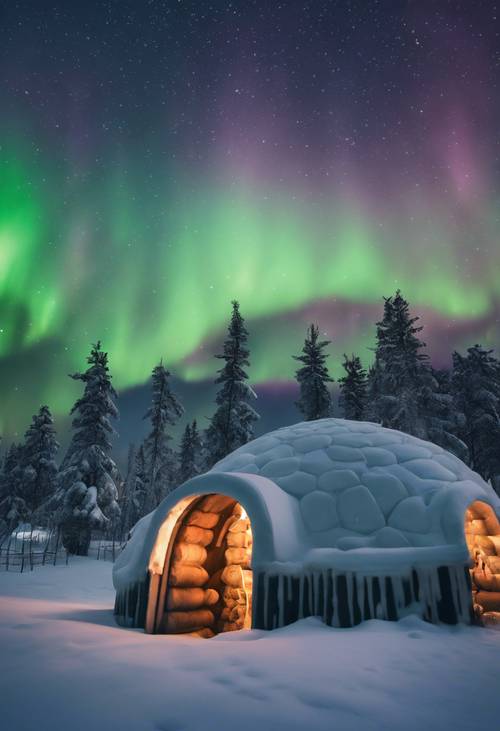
66	665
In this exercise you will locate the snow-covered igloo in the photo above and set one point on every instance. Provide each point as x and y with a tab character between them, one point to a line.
340	519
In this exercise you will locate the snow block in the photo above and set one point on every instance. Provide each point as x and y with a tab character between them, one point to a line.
359	511
310	443
378	456
319	511
298	484
387	490
338	480
411	515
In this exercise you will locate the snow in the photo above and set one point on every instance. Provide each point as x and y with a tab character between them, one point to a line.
66	665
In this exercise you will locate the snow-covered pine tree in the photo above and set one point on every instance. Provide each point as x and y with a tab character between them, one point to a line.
127	491
232	423
39	468
87	495
441	422
140	483
353	389
406	394
164	412
476	389
398	359
13	509
189	453
315	401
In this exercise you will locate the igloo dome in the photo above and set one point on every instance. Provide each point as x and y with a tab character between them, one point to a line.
340	519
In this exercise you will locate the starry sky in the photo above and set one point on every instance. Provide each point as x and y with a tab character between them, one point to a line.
158	159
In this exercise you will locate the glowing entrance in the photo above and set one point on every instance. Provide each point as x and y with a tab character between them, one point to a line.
482	532
206	583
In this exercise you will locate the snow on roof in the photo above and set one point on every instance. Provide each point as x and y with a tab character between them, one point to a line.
360	485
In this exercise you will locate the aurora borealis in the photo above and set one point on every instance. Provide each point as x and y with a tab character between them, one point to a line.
160	159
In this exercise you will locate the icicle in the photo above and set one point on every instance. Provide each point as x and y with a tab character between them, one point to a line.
281	600
360	585
350	597
266	599
325	594
301	595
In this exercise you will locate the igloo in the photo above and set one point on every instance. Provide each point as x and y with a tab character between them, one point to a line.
343	520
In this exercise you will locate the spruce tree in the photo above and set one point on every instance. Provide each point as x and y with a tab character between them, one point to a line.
87	492
39	468
399	366
13	508
315	401
164	412
127	489
405	391
353	389
139	487
476	388
233	421
189	453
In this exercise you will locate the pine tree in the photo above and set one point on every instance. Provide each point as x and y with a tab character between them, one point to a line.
399	360
405	391
189	453
476	387
13	509
353	389
39	469
140	485
164	411
127	490
234	418
315	401
87	492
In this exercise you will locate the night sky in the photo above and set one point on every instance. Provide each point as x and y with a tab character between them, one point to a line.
158	159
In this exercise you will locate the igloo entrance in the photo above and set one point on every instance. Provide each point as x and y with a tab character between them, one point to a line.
482	532
206	584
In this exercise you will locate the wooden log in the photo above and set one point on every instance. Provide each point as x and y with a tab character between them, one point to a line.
215	503
240	556
191	598
489	600
486	544
202	520
190	553
493	563
239	540
478	527
237	614
240	526
233	576
486	582
187	575
193	534
189	621
231	594
496	542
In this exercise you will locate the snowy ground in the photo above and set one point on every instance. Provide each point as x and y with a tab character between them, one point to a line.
66	665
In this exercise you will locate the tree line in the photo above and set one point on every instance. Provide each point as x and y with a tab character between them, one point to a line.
457	409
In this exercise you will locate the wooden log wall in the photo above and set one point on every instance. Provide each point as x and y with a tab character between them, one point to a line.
482	532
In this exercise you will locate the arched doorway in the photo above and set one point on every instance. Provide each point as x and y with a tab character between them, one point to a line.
206	583
482	533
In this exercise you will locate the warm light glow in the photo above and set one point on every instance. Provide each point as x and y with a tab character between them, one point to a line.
157	558
482	534
201	577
